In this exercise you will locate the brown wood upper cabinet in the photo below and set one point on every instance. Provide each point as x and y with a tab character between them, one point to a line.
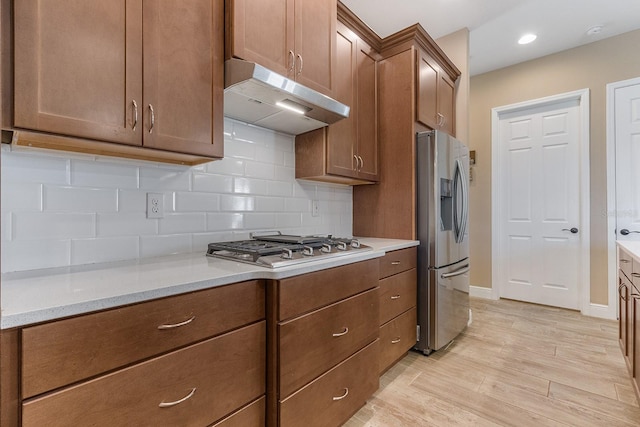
435	103
294	38
138	73
347	151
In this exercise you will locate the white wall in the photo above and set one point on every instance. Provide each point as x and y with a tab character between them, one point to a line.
65	209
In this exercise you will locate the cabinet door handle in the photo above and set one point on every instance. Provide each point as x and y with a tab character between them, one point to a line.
176	325
396	341
344	332
301	65
356	159
135	114
345	394
635	274
153	118
395	262
361	163
177	402
292	60
624	261
395	296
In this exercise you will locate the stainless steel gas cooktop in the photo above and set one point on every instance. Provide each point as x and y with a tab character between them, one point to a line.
279	250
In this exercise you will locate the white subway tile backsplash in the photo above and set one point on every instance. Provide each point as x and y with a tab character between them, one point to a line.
60	210
259	170
31	167
250	186
125	224
197	202
259	221
269	204
90	251
21	197
225	221
182	223
103	174
165	178
77	199
41	226
164	245
237	203
212	183
19	255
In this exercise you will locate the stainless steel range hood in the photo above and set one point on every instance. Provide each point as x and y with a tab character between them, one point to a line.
256	95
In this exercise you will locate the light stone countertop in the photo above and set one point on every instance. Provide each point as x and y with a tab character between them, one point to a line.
48	294
632	247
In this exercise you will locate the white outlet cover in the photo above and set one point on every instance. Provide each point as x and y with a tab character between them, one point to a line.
155	205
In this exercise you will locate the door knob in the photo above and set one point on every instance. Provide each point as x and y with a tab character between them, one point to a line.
626	232
573	230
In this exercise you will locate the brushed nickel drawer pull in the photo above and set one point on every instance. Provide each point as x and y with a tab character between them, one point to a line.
177	325
395	296
624	260
344	332
301	65
292	60
177	402
135	114
346	393
635	274
395	262
153	118
396	341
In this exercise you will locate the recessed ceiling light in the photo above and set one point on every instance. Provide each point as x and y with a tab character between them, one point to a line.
527	38
597	29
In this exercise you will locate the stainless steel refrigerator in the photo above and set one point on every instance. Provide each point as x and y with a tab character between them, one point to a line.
442	189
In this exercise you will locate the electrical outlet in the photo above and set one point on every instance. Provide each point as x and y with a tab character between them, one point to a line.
315	211
155	205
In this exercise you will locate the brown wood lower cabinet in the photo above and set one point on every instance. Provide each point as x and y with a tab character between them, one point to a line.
324	345
396	337
251	415
332	398
629	314
193	386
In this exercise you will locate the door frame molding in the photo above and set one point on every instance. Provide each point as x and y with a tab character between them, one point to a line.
497	176
612	254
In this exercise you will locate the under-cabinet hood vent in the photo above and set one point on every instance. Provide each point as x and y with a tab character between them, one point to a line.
256	95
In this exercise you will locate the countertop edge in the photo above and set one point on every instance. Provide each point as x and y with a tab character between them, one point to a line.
234	273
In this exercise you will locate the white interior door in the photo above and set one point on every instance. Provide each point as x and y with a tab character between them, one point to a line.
540	191
627	137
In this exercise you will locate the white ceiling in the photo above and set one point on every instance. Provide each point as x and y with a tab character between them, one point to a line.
496	25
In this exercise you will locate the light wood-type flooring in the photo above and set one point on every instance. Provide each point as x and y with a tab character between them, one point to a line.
517	364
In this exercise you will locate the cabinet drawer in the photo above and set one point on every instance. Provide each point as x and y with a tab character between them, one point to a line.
398	261
252	415
301	294
311	344
221	374
335	396
397	294
60	353
396	338
625	261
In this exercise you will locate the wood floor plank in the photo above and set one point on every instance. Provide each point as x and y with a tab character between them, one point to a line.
517	364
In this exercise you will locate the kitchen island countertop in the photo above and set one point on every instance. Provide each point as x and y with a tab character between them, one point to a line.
41	295
631	247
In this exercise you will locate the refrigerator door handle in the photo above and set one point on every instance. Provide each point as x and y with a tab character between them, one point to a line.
465	206
458	272
458	186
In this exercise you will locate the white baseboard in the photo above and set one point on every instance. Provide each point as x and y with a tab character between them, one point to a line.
481	292
601	311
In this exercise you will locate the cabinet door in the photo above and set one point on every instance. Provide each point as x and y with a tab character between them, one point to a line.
446	104
183	76
623	296
342	135
78	68
367	112
427	102
262	31
315	43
